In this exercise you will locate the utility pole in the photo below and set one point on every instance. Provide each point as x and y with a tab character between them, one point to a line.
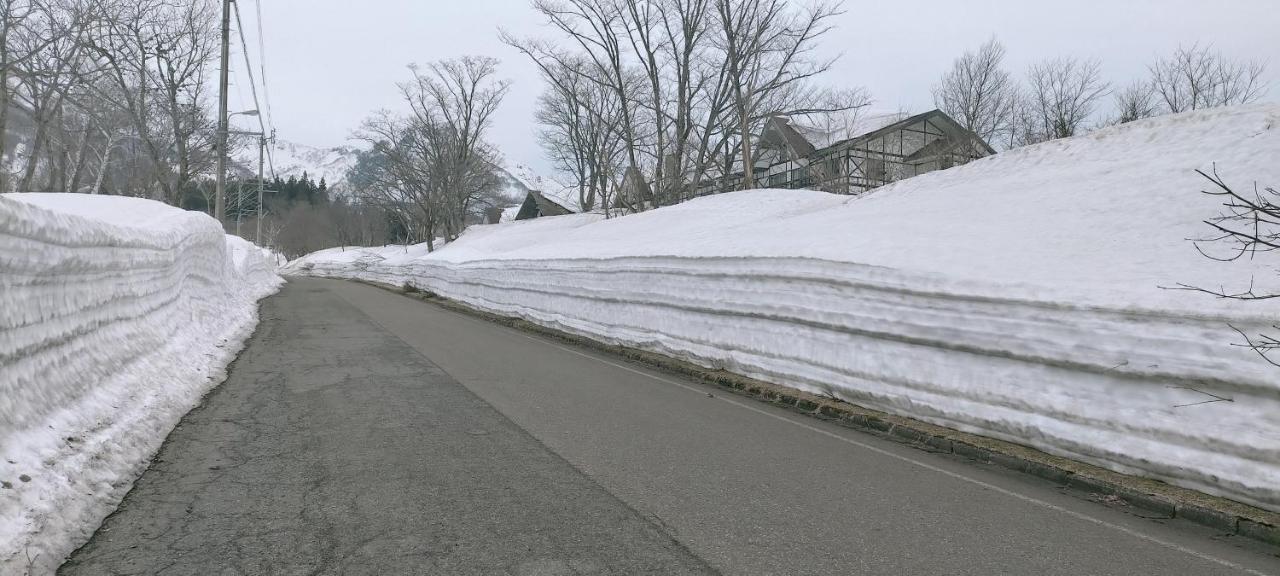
219	203
262	150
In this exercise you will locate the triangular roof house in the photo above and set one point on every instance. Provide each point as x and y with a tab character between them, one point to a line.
537	205
881	149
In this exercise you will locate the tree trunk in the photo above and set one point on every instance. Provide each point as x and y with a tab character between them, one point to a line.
56	179
748	167
184	165
4	103
82	157
33	158
102	166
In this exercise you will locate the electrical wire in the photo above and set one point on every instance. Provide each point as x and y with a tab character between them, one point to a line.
253	86
262	68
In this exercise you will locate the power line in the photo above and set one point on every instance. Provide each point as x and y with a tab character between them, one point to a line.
262	67
240	99
253	85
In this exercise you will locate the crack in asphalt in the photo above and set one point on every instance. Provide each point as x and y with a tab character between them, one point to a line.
334	448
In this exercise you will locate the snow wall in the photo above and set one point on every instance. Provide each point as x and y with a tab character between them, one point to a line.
1021	297
116	316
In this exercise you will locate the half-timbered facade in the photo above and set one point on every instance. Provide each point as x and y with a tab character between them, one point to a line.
899	147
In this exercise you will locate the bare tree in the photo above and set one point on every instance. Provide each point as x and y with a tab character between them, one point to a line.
54	66
1198	77
768	52
581	123
1247	226
1135	102
100	127
304	229
642	25
185	50
978	92
433	169
14	15
713	130
357	224
1063	93
396	174
1024	122
692	82
597	28
155	57
453	103
563	125
27	29
686	29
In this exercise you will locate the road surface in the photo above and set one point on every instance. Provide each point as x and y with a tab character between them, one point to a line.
363	432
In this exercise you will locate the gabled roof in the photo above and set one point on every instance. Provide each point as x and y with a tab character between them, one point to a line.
861	122
779	133
944	122
537	205
634	187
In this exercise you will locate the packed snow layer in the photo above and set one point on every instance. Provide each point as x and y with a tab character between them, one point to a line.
1019	296
116	316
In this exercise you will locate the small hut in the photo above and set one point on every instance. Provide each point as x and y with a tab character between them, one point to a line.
537	205
635	191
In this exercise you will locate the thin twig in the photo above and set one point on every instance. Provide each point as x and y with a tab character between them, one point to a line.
1214	397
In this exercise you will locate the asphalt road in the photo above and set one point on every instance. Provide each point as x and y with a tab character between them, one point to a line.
363	432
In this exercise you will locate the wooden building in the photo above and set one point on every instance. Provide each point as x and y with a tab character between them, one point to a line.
899	148
537	205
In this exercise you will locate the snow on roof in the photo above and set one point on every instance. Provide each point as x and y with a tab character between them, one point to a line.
525	178
564	195
839	128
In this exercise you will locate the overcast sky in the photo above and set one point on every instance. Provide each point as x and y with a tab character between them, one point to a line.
329	63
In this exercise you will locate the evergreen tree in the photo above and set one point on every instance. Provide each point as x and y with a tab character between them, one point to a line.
291	189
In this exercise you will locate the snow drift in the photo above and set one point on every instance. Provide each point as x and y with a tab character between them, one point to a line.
116	316
1019	296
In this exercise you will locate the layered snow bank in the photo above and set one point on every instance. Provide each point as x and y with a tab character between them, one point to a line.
1017	297
116	316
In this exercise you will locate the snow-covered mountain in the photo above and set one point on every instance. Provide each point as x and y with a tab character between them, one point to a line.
292	159
519	179
332	164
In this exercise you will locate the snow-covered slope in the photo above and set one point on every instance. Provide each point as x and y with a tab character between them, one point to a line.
1019	296
116	316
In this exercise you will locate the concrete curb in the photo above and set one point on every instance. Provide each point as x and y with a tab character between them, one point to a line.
1226	516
